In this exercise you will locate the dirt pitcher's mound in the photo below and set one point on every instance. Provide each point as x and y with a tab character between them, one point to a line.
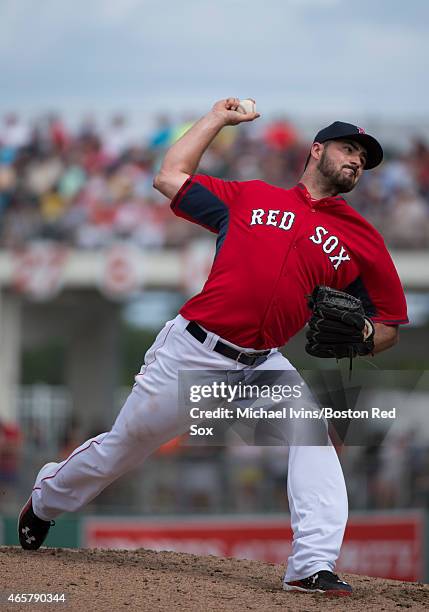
145	580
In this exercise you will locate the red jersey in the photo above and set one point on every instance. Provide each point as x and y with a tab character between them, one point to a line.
274	246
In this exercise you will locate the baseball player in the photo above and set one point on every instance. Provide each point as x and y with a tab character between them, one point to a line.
275	247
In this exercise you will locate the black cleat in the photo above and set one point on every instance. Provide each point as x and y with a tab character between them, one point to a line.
324	582
32	531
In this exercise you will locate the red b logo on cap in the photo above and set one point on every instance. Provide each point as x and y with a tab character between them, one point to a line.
361	130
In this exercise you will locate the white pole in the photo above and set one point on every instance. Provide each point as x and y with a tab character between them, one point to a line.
10	349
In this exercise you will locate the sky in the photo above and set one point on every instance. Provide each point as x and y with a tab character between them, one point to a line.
306	57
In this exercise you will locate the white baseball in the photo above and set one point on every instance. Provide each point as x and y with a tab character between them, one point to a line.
246	106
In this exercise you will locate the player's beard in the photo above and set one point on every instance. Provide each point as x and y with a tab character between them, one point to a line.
336	180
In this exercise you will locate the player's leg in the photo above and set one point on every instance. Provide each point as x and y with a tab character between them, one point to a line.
149	418
316	492
73	483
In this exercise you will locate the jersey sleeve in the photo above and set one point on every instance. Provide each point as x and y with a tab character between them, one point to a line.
379	287
206	200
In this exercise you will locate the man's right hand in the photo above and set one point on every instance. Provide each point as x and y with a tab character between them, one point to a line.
227	110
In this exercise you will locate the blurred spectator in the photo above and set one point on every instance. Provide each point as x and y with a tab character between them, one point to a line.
392	477
117	137
408	220
419	166
14	133
162	134
10	454
280	135
58	133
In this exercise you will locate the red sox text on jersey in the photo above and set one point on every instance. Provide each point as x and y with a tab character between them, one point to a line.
273	247
321	234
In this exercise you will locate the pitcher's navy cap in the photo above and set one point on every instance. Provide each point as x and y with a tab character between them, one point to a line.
339	130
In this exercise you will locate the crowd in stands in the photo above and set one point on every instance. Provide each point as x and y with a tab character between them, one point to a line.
89	185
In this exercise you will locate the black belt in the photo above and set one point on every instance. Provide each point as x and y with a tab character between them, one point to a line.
224	349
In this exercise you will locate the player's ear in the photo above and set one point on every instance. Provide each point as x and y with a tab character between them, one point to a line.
317	150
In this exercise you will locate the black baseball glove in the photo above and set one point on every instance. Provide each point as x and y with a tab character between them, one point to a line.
338	326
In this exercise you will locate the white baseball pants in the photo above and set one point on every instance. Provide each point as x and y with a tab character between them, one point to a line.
149	418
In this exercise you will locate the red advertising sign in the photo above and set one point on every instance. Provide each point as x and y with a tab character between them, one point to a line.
385	545
390	546
246	539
